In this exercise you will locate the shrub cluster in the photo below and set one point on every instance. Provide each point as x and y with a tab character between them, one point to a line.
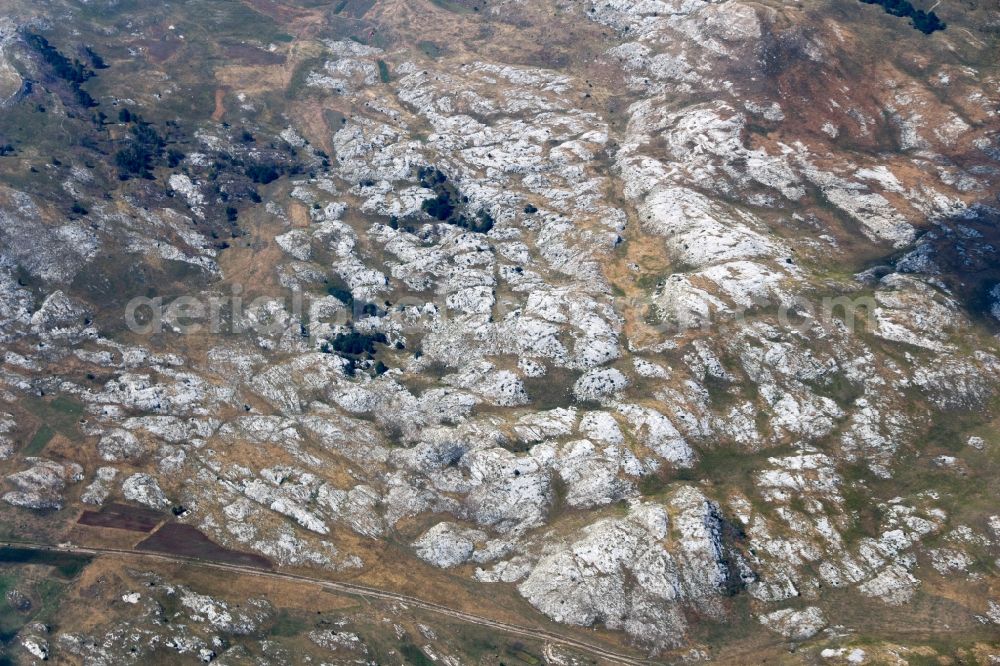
449	205
72	71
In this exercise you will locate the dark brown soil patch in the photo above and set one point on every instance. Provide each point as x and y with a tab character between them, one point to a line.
188	541
122	517
251	55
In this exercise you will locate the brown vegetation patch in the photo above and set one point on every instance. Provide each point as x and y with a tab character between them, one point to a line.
161	50
282	13
251	55
220	108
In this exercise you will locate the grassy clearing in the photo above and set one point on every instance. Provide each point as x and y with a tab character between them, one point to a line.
42	596
288	624
349	8
838	388
430	49
738	626
59	415
297	84
68	406
220	17
10	619
40	439
452	6
553	389
519	652
728	466
67	565
414	655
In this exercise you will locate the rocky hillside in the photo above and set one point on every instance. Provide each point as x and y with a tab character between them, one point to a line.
674	319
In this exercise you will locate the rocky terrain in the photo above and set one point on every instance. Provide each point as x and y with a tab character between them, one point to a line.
669	324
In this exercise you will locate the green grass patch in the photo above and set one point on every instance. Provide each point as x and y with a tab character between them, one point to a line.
738	625
838	388
287	625
430	49
48	592
721	392
655	483
414	655
553	389
729	465
67	406
383	71
100	13
11	620
217	18
297	85
651	281
61	414
283	37
950	434
351	9
40	439
451	6
517	651
43	596
67	564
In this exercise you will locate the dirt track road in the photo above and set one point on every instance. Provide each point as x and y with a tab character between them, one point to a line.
352	589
